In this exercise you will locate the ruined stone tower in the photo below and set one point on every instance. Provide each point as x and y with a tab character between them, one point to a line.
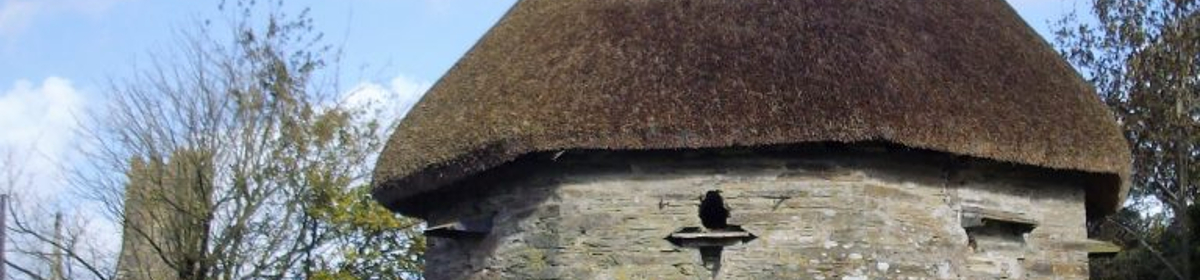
757	139
165	212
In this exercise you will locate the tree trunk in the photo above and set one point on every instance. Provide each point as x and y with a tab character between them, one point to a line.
1181	212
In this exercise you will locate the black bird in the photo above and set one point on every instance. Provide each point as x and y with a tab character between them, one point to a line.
713	213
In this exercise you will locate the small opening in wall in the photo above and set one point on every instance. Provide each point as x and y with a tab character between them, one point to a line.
992	230
713	212
462	229
716	234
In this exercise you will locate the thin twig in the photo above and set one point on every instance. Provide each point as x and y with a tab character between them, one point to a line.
1146	245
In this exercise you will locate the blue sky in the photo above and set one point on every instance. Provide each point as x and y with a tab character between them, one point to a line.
88	41
56	55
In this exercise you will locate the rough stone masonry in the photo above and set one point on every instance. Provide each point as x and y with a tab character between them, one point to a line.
870	215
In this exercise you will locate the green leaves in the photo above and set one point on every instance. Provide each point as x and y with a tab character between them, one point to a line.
287	168
1142	57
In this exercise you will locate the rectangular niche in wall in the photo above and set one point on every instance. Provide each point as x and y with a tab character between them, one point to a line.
995	230
997	239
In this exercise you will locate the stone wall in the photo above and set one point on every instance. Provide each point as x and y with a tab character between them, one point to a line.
165	206
865	215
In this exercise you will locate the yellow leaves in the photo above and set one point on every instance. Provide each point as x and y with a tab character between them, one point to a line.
332	275
354	210
328	125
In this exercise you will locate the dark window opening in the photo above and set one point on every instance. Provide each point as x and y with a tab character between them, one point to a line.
713	212
716	234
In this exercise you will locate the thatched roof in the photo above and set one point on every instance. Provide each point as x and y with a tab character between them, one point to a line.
966	77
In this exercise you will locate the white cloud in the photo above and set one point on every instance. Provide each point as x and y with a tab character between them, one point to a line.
392	101
17	15
37	124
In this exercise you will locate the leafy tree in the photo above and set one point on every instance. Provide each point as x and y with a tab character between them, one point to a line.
1142	57
230	157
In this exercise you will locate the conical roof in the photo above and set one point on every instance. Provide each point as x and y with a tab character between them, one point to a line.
966	77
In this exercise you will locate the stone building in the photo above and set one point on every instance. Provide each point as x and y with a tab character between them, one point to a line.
163	225
757	139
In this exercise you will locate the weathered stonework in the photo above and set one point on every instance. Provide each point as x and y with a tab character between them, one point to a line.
162	228
862	215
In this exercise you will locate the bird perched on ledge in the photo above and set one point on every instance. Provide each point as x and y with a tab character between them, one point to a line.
713	213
